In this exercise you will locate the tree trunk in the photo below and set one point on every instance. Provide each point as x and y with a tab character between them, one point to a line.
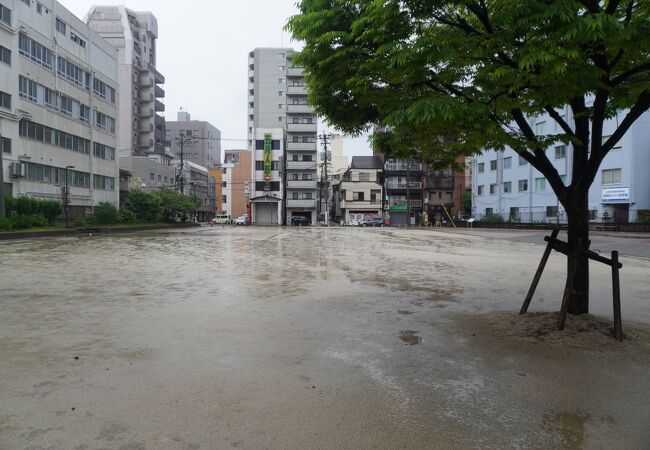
578	240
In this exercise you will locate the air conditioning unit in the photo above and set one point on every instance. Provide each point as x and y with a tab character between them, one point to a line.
16	170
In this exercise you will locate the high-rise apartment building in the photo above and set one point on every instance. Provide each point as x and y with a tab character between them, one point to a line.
59	118
277	98
141	140
202	143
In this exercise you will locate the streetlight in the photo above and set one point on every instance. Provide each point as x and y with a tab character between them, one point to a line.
66	196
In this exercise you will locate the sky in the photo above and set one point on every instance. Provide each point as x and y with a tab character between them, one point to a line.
203	50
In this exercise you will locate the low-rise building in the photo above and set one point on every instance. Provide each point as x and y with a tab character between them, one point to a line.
359	192
196	183
235	182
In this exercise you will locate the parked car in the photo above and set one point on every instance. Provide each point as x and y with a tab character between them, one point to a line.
300	220
241	220
372	222
221	219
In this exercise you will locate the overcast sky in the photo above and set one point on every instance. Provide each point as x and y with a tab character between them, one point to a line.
203	50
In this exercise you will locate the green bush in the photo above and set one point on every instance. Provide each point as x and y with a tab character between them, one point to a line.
643	216
28	221
26	206
492	218
146	207
127	216
5	224
106	214
176	204
79	222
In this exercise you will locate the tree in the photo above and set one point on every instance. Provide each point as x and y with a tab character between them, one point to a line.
146	206
474	73
106	214
174	203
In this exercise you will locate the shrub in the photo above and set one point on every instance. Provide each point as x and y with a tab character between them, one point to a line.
127	216
643	216
106	214
79	222
50	210
26	206
5	224
146	207
492	218
28	221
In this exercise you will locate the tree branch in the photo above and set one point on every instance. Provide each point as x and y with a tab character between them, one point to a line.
645	67
558	118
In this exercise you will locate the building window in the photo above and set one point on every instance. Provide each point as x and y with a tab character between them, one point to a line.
540	184
280	93
280	80
152	176
104	122
612	176
307	196
5	14
50	136
224	199
5	143
523	185
479	190
84	113
493	189
104	151
514	213
280	106
5	55
5	100
493	164
104	91
375	196
27	89
39	8
35	51
507	162
60	26
507	187
73	73
75	38
104	183
616	146
364	176
489	211
560	152
522	161
280	118
281	68
540	128
551	211
357	196
224	184
481	167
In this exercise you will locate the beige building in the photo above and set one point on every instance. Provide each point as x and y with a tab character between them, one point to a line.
235	182
59	117
358	192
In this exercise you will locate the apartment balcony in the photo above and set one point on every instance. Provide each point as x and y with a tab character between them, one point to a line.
404	185
145	97
301	184
361	204
160	122
158	77
295	72
301	127
296	90
301	109
439	183
301	165
160	106
145	127
301	146
159	92
145	142
251	74
251	99
145	80
402	166
145	112
291	203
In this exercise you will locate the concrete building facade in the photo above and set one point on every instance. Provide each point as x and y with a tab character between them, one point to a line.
358	193
142	129
277	98
202	144
266	190
197	184
505	185
59	116
236	180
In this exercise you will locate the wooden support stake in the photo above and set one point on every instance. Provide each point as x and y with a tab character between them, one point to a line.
616	286
538	274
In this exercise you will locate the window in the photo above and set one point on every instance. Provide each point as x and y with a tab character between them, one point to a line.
307	196
5	55
75	38
306	157
551	211
159	178
540	184
280	106
35	51
104	122
60	26
306	176
84	113
224	184
5	14
66	105
103	90
481	167
280	118
27	89
50	136
514	213
104	151
479	190
73	73
39	8
152	176
375	196
489	211
522	161
280	80
507	187
493	189
5	100
104	183
280	93
560	152
616	146
166	180
540	128
611	176
493	164
224	199
5	143
357	196
507	162
281	68
523	185
364	176
27	2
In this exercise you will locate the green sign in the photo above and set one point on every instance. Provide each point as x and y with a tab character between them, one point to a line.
403	207
268	160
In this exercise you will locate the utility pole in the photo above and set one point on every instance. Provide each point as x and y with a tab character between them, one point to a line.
325	139
66	194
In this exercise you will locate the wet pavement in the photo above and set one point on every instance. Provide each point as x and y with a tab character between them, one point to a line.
311	338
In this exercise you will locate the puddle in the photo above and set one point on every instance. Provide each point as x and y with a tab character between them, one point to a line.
405	312
410	337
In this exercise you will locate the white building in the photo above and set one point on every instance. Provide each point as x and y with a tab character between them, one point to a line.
358	192
505	184
59	109
266	190
277	98
142	135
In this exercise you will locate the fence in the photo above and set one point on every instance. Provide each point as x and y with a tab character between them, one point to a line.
550	215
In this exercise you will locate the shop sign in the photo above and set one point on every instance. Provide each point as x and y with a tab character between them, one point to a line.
616	195
267	161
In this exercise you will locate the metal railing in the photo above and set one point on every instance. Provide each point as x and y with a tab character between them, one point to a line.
403	165
404	185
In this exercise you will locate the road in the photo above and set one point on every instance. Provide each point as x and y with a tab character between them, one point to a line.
312	338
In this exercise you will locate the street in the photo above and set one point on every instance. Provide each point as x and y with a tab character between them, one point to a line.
315	338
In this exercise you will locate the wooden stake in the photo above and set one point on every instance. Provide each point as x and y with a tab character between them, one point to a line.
540	270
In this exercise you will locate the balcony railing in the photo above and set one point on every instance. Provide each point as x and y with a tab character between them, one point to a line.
301	184
302	109
302	127
295	72
404	185
403	165
291	203
296	90
304	146
301	165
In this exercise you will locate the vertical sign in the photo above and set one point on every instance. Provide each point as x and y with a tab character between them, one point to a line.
267	161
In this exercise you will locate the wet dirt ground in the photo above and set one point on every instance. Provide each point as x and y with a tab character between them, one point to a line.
312	338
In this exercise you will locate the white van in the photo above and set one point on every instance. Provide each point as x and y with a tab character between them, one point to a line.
221	219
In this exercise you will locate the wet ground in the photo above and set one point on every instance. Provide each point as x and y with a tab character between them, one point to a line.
312	338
